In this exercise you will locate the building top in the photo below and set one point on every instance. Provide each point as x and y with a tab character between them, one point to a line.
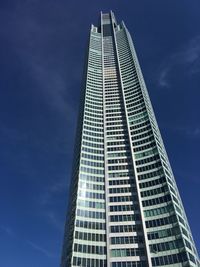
106	19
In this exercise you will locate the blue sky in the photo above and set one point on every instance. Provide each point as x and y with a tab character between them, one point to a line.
42	48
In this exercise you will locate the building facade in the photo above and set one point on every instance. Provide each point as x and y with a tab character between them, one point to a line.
125	209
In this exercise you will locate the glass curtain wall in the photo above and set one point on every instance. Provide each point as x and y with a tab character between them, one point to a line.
124	209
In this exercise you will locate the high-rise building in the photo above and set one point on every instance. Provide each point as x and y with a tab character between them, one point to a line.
125	209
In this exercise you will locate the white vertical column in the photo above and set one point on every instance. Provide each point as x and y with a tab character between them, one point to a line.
132	154
105	153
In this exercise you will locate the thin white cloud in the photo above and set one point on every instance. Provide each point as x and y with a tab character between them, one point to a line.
52	191
34	43
188	56
40	249
48	201
187	175
192	132
163	81
54	220
7	230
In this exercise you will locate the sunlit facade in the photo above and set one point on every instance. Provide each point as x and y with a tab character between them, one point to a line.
125	209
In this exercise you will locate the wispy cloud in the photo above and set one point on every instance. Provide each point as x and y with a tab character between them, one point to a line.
192	132
187	175
163	77
7	230
54	220
189	132
49	200
40	249
52	191
34	42
188	56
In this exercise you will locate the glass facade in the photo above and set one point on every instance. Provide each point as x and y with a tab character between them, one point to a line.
125	209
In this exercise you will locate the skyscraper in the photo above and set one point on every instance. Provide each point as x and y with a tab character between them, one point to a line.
125	209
